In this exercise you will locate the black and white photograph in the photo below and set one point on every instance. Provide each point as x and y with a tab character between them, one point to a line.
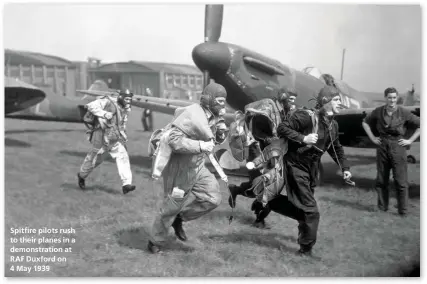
262	140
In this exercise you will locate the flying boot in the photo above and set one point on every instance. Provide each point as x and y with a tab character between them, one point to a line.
128	188
81	181
261	213
179	230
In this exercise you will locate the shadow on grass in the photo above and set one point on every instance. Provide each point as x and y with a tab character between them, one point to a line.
9	142
269	240
94	188
330	177
354	205
242	216
137	238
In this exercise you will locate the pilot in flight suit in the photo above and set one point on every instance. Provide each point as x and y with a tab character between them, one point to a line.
302	161
108	136
285	106
192	135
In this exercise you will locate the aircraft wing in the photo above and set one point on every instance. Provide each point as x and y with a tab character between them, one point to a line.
155	104
20	95
364	111
161	105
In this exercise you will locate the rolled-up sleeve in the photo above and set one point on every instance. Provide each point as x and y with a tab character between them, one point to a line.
412	119
180	143
370	117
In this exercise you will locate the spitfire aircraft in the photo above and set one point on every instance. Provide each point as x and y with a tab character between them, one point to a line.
249	76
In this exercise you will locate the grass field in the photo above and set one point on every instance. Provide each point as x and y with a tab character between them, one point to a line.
41	162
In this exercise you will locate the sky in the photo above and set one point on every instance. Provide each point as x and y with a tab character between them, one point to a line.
382	42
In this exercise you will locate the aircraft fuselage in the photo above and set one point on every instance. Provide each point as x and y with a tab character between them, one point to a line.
248	76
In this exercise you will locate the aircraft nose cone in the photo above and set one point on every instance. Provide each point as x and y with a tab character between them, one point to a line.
212	56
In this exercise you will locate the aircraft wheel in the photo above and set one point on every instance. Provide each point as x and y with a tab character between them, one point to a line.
411	159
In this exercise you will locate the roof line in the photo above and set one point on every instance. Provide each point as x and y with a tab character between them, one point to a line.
163	63
38	53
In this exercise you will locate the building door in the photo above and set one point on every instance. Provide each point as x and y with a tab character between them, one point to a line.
112	79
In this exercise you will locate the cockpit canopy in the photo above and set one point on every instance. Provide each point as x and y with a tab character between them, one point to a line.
328	79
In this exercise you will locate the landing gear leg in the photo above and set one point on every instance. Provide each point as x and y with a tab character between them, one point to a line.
320	175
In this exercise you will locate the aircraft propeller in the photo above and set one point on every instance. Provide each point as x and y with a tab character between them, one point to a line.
213	25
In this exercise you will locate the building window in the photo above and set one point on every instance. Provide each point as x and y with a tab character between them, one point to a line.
199	82
14	71
38	72
38	80
192	81
50	72
60	73
177	81
26	71
169	80
184	81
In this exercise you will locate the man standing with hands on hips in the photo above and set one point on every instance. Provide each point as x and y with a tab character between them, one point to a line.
391	122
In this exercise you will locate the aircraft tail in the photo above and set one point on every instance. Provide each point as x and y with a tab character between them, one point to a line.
410	99
99	85
98	88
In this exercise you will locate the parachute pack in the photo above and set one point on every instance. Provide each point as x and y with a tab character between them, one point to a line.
259	124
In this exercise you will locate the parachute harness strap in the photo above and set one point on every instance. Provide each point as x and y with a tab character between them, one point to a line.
347	181
230	218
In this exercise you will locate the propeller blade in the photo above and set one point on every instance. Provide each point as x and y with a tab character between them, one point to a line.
213	22
213	25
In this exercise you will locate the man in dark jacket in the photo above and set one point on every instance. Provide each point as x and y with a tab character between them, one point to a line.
391	122
302	161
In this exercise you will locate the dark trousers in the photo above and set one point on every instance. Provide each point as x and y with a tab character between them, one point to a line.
261	212
300	204
147	126
244	186
308	221
392	156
